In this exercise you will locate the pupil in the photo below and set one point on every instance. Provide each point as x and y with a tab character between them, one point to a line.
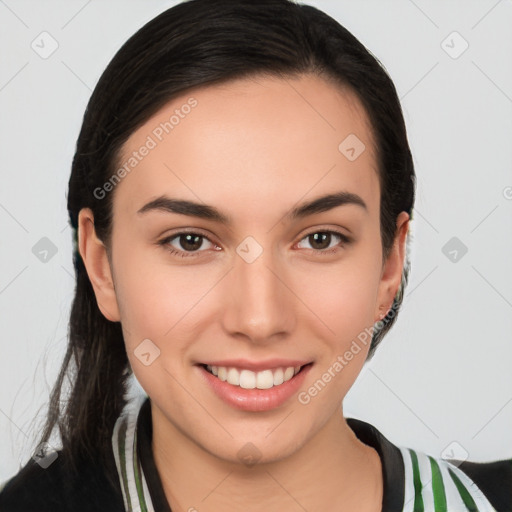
324	239
194	242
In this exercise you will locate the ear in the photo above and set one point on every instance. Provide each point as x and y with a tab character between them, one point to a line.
392	269
94	255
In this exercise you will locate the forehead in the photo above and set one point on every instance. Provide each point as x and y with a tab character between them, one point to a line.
250	143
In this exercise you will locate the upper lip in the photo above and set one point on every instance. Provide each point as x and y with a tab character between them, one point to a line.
255	366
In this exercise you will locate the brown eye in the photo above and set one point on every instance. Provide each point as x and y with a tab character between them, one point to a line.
190	241
186	244
322	241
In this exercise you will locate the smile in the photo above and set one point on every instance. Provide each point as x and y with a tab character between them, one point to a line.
254	386
248	379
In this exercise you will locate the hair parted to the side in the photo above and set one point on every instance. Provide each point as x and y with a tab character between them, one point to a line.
195	43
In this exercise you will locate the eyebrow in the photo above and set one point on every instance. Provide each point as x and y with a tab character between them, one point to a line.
204	211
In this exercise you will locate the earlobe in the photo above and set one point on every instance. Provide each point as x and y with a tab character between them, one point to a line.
392	270
94	255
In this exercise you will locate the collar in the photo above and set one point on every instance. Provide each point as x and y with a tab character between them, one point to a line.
412	480
141	485
393	473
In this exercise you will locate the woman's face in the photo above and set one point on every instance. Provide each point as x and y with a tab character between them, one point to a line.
252	282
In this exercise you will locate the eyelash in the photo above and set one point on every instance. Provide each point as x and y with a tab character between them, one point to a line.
186	254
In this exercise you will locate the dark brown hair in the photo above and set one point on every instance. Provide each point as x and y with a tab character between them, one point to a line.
196	43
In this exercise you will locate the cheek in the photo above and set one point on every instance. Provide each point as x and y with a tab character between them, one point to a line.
342	295
157	300
142	292
344	302
153	302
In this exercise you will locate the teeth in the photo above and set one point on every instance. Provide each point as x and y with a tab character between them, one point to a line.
288	373
278	376
264	379
233	377
248	379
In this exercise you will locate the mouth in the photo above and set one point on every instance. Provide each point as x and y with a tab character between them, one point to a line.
265	387
248	379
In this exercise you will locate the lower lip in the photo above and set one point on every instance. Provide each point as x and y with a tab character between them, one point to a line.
255	400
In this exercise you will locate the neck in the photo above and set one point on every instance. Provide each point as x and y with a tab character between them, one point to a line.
333	471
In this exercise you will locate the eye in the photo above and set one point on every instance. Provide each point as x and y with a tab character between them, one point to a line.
185	244
321	241
189	244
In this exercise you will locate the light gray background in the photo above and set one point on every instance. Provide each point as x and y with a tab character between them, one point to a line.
443	373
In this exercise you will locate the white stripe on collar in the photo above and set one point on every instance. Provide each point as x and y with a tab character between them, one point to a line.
454	502
123	441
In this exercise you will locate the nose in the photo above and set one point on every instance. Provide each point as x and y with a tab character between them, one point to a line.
259	305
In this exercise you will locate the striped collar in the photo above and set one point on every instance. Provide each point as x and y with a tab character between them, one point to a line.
413	480
125	440
434	484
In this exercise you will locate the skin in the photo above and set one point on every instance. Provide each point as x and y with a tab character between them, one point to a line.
254	149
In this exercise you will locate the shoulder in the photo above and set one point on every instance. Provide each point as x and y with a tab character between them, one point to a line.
494	479
43	488
433	482
415	480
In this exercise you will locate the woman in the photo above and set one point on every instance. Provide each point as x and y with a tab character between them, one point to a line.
240	195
